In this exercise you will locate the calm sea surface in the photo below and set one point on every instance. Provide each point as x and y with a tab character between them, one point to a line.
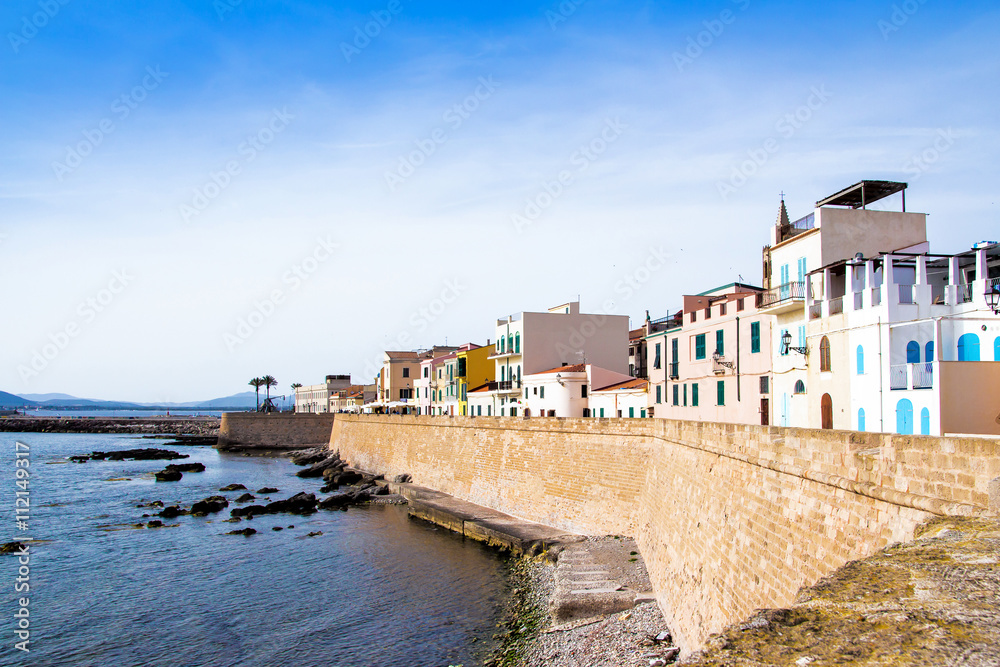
374	589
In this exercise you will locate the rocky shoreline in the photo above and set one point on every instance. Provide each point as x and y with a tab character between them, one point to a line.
192	426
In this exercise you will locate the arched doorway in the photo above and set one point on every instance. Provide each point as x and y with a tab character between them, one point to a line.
826	407
904	417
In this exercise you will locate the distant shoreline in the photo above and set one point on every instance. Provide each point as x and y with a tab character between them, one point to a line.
177	425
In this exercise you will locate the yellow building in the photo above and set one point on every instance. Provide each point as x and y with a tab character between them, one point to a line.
473	368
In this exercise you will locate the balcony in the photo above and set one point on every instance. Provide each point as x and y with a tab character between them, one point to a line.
782	299
876	296
837	305
674	370
505	354
509	385
911	376
816	311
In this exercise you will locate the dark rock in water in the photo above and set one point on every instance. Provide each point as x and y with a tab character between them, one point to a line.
168	476
13	548
248	510
336	501
314	534
329	487
246	532
155	503
268	489
276	528
307	457
233	487
333	471
155	523
172	512
147	454
405	478
317	469
300	503
349	477
245	498
186	467
290	527
79	459
210	505
232	519
379	490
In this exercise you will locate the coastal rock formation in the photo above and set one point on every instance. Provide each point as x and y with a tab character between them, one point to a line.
186	467
318	469
267	490
168	476
207	427
144	454
305	457
300	503
246	532
209	505
12	548
172	511
245	498
233	487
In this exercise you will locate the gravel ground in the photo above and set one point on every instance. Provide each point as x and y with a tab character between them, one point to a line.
624	639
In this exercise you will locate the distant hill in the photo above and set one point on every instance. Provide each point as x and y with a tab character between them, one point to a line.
47	397
13	401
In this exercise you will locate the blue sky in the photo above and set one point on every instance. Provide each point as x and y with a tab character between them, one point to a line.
233	158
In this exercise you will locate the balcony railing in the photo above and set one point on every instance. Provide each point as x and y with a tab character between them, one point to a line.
911	376
815	311
786	292
508	385
876	296
906	294
837	305
674	369
965	293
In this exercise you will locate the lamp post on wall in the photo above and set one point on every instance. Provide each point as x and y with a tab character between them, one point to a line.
993	298
786	344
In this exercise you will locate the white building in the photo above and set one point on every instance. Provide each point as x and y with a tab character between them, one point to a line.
316	397
621	399
906	343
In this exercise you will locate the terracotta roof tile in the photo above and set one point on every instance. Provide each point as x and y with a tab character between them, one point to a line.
634	383
575	368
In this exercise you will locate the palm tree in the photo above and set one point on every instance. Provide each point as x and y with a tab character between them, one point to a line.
257	383
269	382
295	389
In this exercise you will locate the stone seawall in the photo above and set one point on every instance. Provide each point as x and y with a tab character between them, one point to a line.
279	430
729	518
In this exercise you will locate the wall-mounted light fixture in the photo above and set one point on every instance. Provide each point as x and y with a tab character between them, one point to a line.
993	298
786	344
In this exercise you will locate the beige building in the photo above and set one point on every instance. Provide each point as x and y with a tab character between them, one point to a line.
316	397
352	398
395	388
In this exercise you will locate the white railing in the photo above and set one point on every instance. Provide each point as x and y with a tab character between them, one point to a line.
876	296
837	305
859	300
906	294
911	376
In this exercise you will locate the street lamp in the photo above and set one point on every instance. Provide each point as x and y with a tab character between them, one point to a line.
993	298
786	344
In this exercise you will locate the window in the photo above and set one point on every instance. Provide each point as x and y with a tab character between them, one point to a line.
586	412
861	419
659	394
503	345
694	394
720	392
826	411
784	350
583	391
800	387
489	410
677	395
708	313
685	393
968	347
479	411
913	352
754	337
517	342
673	350
824	354
526	393
720	342
802	269
426	371
802	337
722	309
602	413
642	413
631	413
406	372
694	316
656	359
861	361
765	384
513	412
739	304
929	351
699	346
535	392
503	374
925	422
619	414
440	372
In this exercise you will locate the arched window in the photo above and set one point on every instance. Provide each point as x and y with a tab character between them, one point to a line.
510	342
861	361
929	352
913	352
800	387
517	342
904	417
503	344
824	354
925	422
503	373
968	347
519	373
861	419
826	411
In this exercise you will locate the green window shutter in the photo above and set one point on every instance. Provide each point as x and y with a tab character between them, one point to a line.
631	412
721	392
685	395
720	341
694	394
602	412
699	346
676	390
754	337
